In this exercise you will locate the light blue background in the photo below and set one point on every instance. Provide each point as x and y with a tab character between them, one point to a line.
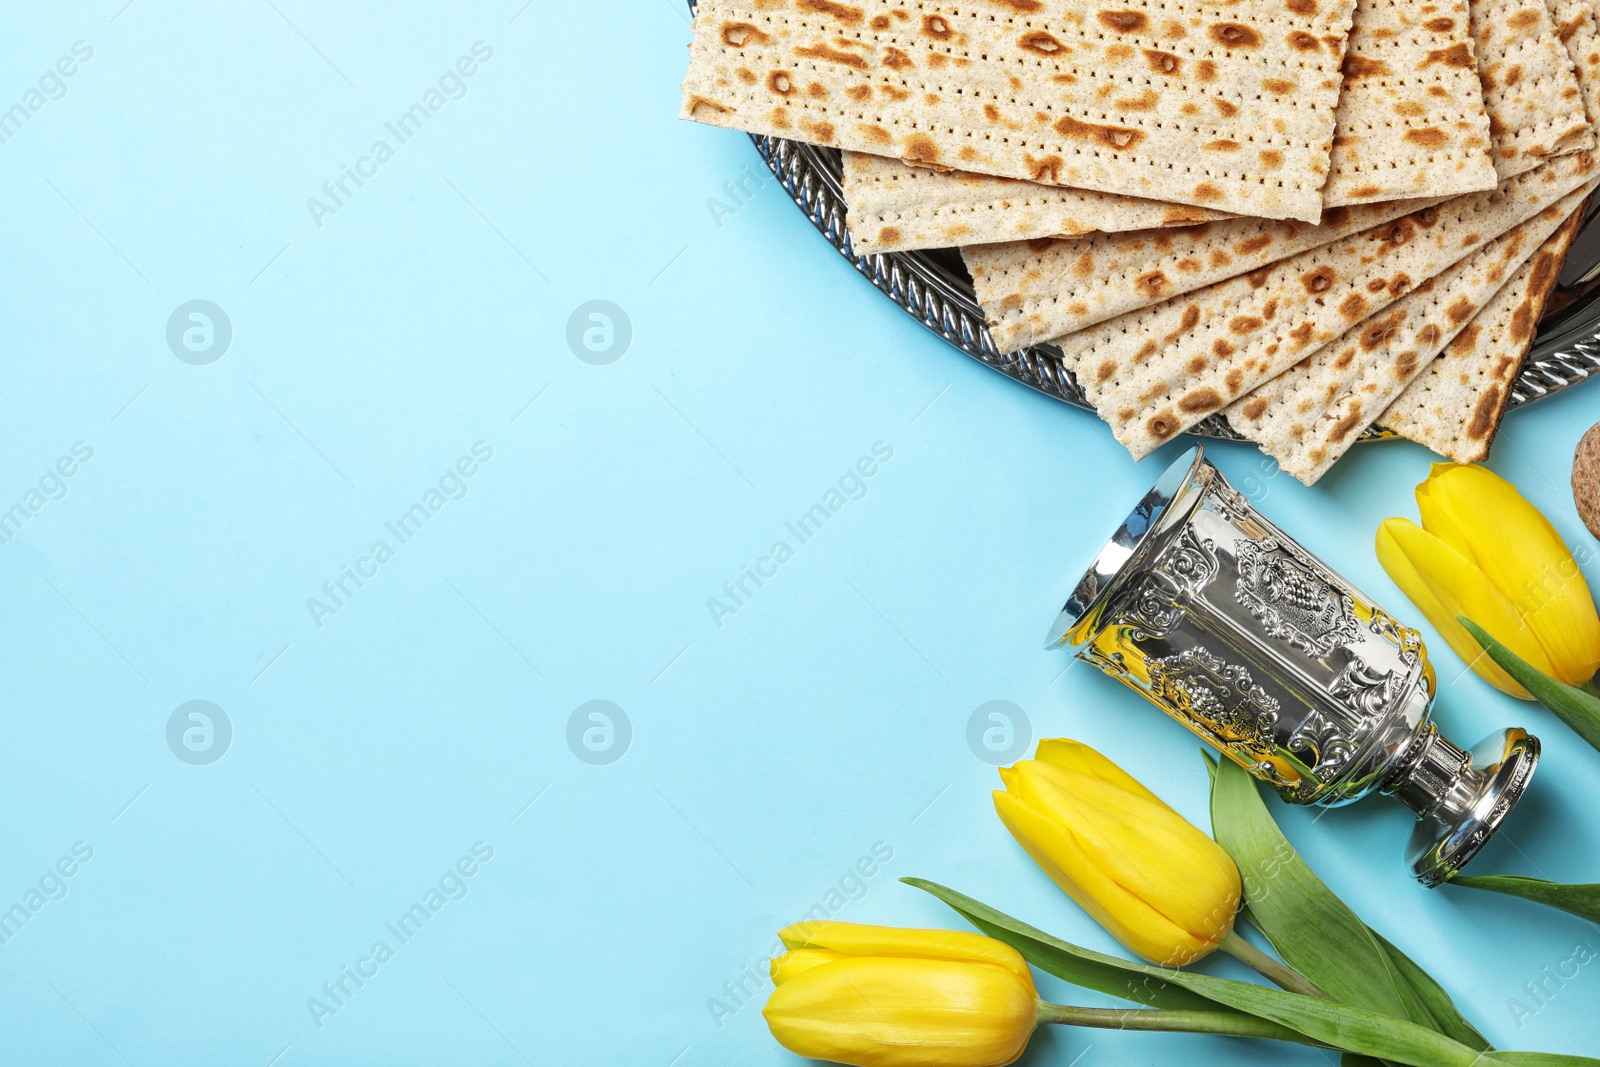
429	313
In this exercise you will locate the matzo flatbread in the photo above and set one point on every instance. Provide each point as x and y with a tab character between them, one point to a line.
1455	406
1577	26
1028	292
1530	88
1410	123
1035	291
1411	119
1156	372
1310	415
894	207
1228	108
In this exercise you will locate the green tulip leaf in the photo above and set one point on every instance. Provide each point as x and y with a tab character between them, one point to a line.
1327	1022
1440	1011
1311	929
1580	899
1314	931
1573	706
1114	977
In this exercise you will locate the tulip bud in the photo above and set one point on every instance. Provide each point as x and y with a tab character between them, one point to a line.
877	996
1484	552
1155	882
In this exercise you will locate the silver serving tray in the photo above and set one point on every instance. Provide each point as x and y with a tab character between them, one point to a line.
934	287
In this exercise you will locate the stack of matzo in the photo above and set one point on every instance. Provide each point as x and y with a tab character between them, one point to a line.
1312	215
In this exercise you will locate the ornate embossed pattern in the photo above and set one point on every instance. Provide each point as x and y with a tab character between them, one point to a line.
1407	640
1290	600
1326	741
1185	568
1218	697
1231	504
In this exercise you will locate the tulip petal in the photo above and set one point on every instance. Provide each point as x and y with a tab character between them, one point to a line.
1443	583
1144	846
798	961
1439	520
861	939
1126	916
905	1012
1483	517
1073	755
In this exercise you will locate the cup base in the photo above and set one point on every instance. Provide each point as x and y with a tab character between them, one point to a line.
1446	839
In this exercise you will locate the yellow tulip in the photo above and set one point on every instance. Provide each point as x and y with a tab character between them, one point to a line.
877	996
1155	882
1484	552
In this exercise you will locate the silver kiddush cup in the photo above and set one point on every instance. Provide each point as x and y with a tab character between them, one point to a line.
1225	623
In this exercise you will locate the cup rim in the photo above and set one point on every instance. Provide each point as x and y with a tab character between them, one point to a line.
1128	546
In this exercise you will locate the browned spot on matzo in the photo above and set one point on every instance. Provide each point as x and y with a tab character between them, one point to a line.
1118	137
1235	35
739	34
695	103
1457	55
1162	426
1152	284
1124	21
842	12
1162	62
1041	44
1047	169
831	55
1201	400
1379	330
920	148
1319	280
1466	340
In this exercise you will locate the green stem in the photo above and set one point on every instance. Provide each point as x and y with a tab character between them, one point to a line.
1229	1023
1278	973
